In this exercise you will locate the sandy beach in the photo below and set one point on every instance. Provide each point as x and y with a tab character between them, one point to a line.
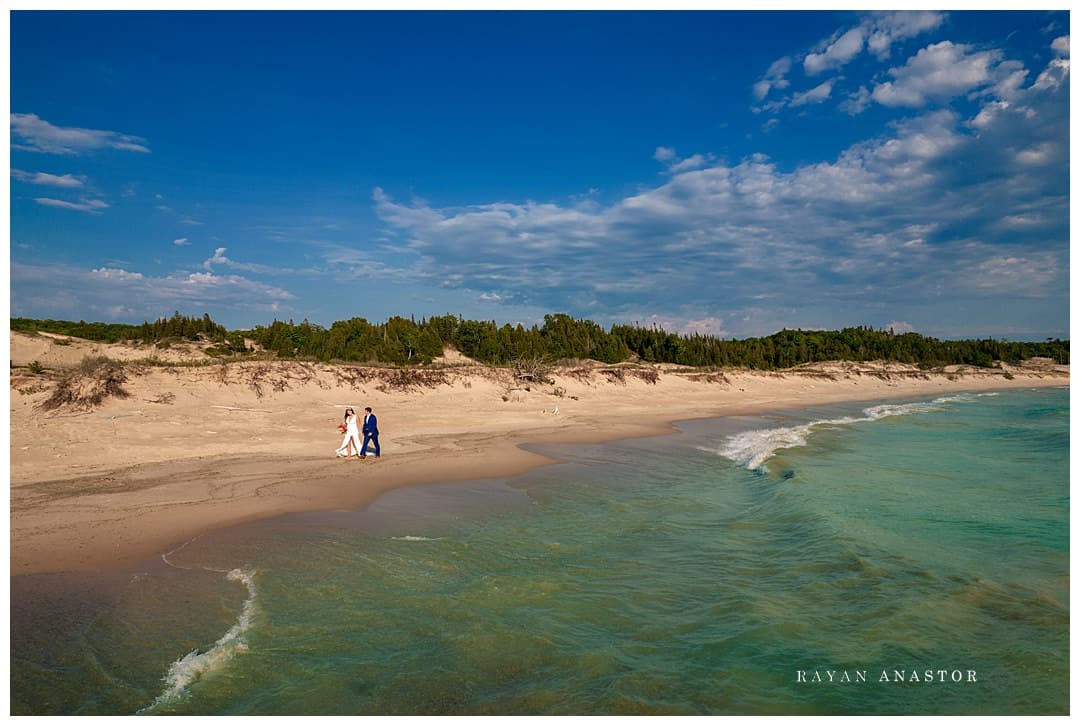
196	448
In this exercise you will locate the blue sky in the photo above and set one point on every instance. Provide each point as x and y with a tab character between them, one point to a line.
727	172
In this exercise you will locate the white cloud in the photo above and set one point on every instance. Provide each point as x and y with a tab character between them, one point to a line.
887	28
924	138
939	71
1061	45
837	54
1007	79
774	78
900	327
117	312
37	134
93	206
352	263
203	283
704	326
110	273
692	162
1037	155
1055	75
818	94
911	210
877	32
66	181
1024	220
1015	274
218	258
988	113
664	153
676	165
182	242
857	102
66	291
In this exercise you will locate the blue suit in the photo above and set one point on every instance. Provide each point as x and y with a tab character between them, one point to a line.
371	433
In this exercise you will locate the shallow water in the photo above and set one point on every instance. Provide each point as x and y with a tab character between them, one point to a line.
709	572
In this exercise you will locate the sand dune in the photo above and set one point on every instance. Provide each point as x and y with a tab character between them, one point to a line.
195	448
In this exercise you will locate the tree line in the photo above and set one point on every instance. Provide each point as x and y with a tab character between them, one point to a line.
406	341
178	326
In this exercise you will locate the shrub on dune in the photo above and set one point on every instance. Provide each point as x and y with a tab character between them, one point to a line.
88	384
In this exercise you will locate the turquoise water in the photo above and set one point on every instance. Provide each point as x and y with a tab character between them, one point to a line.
717	571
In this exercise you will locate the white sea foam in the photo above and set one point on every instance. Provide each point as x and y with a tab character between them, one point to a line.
414	538
165	556
964	397
753	448
197	663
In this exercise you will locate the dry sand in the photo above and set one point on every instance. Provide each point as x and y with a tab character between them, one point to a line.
193	449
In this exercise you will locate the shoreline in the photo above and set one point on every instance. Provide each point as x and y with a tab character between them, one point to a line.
119	517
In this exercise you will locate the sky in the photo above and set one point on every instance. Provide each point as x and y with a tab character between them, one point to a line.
731	173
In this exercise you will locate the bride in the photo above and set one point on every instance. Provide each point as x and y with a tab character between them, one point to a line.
352	435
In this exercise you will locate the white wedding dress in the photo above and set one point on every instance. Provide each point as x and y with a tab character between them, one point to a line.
352	433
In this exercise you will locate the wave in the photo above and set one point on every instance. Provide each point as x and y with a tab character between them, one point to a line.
199	662
965	397
414	538
752	449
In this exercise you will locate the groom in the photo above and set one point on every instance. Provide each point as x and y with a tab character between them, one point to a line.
371	433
